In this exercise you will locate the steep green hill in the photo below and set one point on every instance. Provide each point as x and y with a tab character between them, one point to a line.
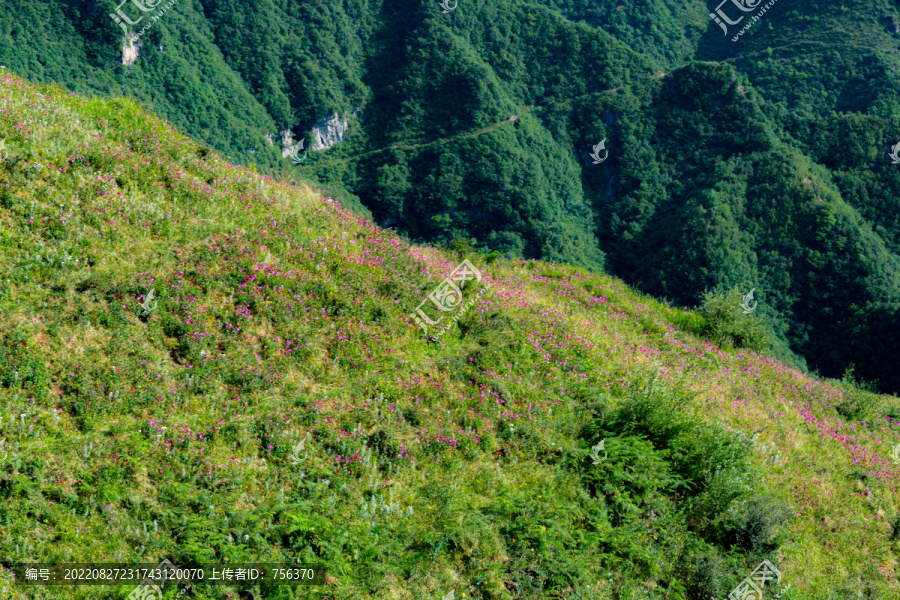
767	169
173	326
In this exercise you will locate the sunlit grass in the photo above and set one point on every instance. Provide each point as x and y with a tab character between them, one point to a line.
432	466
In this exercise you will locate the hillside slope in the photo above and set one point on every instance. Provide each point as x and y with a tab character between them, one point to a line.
174	325
766	170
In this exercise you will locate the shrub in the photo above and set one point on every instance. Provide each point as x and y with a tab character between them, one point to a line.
653	410
757	523
664	468
859	397
710	578
726	321
463	247
633	477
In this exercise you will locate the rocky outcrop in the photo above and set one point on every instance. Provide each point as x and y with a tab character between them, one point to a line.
130	51
287	141
327	132
331	130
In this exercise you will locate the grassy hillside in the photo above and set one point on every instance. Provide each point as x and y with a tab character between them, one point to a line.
139	426
765	169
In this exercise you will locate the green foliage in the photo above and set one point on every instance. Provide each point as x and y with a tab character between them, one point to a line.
385	442
756	525
692	478
860	399
710	181
165	427
725	320
22	367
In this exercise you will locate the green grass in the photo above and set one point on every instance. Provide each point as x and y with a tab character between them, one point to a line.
164	427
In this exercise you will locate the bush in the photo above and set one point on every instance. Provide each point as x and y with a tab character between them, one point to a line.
633	478
757	524
726	321
859	397
653	410
664	468
710	578
463	247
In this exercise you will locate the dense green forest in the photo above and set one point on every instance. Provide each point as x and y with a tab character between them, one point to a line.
760	163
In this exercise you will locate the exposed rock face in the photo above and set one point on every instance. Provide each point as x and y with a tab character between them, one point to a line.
130	51
287	140
328	132
331	130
